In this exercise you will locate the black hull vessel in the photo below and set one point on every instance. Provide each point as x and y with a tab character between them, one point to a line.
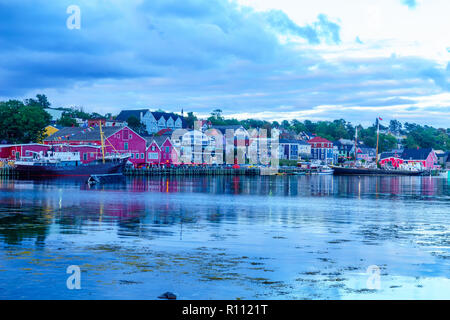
379	172
48	170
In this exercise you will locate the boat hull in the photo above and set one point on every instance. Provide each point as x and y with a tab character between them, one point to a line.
379	172
39	171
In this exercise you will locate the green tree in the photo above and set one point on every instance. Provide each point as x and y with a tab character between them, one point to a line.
190	120
20	123
67	121
136	125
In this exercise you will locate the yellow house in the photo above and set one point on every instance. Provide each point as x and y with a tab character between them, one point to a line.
49	130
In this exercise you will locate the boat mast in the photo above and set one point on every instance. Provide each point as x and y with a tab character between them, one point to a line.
356	142
378	138
102	140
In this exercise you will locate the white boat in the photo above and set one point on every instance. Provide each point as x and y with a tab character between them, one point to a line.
445	174
326	171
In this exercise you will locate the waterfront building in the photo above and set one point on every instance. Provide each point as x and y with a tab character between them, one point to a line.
322	149
425	158
344	149
121	140
160	150
294	149
17	151
364	153
391	159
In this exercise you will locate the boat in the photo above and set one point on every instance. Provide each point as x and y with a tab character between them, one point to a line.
58	164
445	174
374	171
69	164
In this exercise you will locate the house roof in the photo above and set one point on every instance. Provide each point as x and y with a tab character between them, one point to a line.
82	134
291	141
391	154
165	115
319	139
124	115
416	154
159	140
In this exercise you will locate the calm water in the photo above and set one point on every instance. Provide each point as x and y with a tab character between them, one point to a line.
227	238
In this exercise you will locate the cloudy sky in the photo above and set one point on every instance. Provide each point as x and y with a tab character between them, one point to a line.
267	59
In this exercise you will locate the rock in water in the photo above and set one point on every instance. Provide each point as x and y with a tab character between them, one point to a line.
168	295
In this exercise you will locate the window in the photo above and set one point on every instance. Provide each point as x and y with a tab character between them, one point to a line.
142	156
153	155
132	156
130	136
153	148
167	149
126	134
125	145
137	155
84	156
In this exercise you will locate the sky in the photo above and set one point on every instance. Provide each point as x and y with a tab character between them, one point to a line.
264	59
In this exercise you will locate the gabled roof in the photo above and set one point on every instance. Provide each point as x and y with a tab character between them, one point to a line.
124	115
82	134
165	115
416	154
159	140
319	139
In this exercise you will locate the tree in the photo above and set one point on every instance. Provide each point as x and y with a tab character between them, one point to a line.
20	123
67	121
395	126
136	124
190	120
42	100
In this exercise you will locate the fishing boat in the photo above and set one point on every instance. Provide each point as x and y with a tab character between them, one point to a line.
55	164
374	171
69	164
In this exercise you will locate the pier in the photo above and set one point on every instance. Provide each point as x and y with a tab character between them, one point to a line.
206	171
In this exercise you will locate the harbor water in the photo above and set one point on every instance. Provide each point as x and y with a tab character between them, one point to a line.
227	237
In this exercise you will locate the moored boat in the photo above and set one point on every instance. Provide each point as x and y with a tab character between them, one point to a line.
374	171
59	164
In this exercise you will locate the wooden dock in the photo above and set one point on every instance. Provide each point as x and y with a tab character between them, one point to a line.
205	171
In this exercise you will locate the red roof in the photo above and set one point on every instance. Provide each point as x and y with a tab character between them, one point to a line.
318	139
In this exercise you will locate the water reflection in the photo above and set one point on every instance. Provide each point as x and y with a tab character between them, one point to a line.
27	208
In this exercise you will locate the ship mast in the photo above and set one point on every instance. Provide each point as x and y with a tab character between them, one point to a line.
378	138
102	140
